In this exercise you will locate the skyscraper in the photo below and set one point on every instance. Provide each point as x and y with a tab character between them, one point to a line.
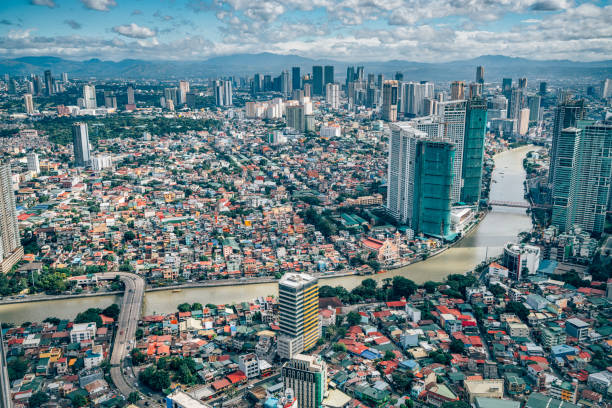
306	376
475	90
29	103
300	327
413	97
399	76
89	96
452	115
507	87
296	78
566	115
219	93
227	93
581	184
606	88
33	162
286	83
65	77
523	122
80	141
389	104
296	117
183	90
543	88
457	90
11	250
332	95
473	150
49	82
516	103
317	80
171	95
328	75
130	95
522	83
480	72
256	85
420	179
533	103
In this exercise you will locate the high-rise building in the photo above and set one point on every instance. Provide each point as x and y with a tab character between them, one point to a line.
110	100
399	76
49	82
475	90
332	95
183	90
38	85
452	115
296	78
413	97
29	103
89	97
219	93
473	150
359	74
522	83
11	250
286	83
317	80
256	85
533	103
33	162
516	103
300	326
328	77
457	90
507	87
65	77
296	117
380	79
350	75
389	103
606	88
306	376
566	116
227	93
80	141
583	169
480	72
543	88
130	95
523	122
420	179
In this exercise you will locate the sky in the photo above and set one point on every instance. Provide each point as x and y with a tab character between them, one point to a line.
344	30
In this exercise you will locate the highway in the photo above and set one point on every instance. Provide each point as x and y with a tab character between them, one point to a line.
127	323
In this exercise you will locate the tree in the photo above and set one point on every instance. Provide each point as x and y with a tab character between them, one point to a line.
403	287
134	397
79	401
129	236
90	315
138	357
339	347
457	346
17	367
497	290
401	380
196	306
518	309
353	318
389	355
111	311
38	399
430	286
184	307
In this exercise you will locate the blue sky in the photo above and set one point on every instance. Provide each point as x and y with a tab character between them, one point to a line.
351	30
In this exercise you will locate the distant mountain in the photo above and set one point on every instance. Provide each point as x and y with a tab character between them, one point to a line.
496	67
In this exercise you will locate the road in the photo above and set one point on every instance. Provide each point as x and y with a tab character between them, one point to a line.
127	323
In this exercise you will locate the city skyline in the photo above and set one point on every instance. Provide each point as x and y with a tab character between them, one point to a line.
344	30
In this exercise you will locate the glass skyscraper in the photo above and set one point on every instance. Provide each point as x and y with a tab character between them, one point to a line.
473	150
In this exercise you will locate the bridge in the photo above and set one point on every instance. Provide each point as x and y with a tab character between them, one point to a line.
518	204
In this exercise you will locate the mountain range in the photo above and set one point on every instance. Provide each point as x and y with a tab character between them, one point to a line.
496	67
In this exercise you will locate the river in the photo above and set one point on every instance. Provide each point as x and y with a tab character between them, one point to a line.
500	226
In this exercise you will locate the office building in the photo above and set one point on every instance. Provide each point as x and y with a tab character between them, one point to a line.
11	250
29	103
80	141
523	122
306	376
227	93
533	103
606	88
110	100
516	103
475	90
296	78
457	90
566	116
581	187
507	87
317	80
332	95
522	83
130	95
183	91
420	179
389	103
328	76
49	82
171	94
480	74
285	81
543	88
33	163
413	95
473	150
521	260
452	115
300	327
577	329
89	97
296	117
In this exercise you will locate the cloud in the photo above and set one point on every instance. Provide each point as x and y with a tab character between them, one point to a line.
75	25
6	22
47	3
550	5
162	17
134	31
99	5
531	21
136	12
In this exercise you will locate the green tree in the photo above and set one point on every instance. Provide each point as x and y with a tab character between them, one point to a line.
17	367
38	399
111	311
138	357
518	309
389	355
184	307
457	346
79	401
90	315
129	236
196	306
339	347
353	318
403	287
134	397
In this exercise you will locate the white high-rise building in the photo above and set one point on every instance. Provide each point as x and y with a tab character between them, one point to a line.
606	88
227	93
29	103
413	97
33	163
219	93
11	250
183	91
101	162
332	95
523	122
89	97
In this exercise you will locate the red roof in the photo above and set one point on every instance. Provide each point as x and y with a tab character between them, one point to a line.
221	384
236	377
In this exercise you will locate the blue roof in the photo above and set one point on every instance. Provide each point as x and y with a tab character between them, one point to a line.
370	355
547	266
562	349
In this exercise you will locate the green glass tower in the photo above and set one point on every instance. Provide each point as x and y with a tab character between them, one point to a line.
433	183
473	150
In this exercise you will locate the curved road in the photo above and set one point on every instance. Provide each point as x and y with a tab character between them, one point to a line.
127	324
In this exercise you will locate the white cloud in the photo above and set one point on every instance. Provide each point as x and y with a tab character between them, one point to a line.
99	5
47	3
134	31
